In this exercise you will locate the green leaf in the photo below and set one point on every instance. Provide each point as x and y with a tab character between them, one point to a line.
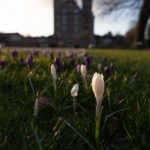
97	127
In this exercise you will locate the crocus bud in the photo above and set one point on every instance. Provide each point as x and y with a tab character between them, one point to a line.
64	66
78	68
104	58
53	73
84	73
135	76
74	93
22	60
87	61
106	70
30	61
51	55
98	89
45	53
2	64
57	64
36	53
111	66
74	90
14	54
72	62
99	67
59	55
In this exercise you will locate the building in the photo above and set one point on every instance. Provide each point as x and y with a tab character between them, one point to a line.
73	26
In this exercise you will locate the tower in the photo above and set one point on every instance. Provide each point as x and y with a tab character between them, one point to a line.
88	20
73	26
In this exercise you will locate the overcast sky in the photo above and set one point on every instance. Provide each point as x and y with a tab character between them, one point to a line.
35	18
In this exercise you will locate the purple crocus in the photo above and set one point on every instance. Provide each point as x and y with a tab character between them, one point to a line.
30	61
2	64
71	55
83	63
104	58
59	55
51	55
14	54
99	67
135	76
64	66
106	70
36	53
57	64
87	61
85	54
72	62
22	60
111	66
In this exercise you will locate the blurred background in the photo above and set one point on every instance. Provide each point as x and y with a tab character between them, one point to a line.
75	23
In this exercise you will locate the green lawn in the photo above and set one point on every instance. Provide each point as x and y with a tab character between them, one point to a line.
125	121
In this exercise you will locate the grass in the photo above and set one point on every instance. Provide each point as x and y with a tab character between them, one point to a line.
124	120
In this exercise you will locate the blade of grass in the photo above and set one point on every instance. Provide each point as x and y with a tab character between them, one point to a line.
31	86
79	134
37	138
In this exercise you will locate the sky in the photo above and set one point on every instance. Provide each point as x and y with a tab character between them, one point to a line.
35	18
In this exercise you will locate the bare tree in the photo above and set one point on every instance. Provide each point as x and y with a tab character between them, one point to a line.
121	6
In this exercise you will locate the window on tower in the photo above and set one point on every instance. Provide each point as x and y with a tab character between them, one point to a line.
64	28
64	19
76	19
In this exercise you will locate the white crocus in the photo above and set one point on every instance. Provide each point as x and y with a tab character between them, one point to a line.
53	73
98	89
74	93
84	73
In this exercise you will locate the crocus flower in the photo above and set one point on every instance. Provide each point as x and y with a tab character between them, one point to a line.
57	64
71	55
36	53
53	73
135	76
112	66
105	58
106	70
64	66
98	89
2	64
74	90
30	61
14	54
51	55
59	55
84	73
72	62
41	102
22	60
99	67
45	53
78	68
87	61
74	93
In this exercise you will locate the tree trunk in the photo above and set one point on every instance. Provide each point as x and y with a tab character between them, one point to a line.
143	18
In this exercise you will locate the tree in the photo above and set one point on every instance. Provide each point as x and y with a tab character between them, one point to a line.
121	6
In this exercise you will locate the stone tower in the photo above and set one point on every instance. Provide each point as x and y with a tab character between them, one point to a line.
73	25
